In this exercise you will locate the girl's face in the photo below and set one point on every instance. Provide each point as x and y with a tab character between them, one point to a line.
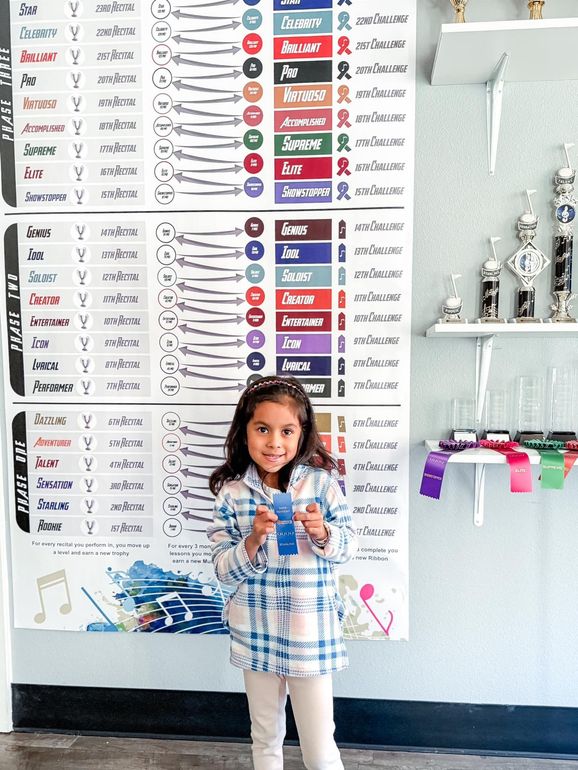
273	435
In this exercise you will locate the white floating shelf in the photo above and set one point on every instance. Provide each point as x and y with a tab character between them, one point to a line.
442	330
481	456
538	50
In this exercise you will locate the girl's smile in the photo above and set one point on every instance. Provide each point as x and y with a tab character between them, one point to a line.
273	436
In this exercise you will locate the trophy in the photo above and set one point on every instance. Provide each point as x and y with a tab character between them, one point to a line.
463	420
452	306
496	419
529	400
490	299
460	9
535	7
527	263
561	394
564	214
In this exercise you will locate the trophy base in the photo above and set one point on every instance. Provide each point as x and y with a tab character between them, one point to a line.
496	435
561	435
464	434
561	320
526	320
527	435
490	320
452	320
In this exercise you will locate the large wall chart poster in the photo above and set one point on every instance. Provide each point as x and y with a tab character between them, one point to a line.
195	194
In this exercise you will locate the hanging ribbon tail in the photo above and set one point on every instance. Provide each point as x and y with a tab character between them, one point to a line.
433	474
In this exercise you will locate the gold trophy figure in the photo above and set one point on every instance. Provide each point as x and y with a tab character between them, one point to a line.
535	7
460	9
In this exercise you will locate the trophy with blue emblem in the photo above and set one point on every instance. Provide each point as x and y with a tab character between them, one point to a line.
564	215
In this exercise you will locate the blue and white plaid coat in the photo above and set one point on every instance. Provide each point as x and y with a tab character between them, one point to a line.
285	613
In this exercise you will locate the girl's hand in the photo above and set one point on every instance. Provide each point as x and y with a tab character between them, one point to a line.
263	525
312	520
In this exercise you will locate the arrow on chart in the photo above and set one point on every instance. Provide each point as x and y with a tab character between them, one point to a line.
178	59
234	49
203	113
181	155
186	287
238	343
235	231
227	255
183	307
190	352
224	170
187	329
212	4
194	41
190	432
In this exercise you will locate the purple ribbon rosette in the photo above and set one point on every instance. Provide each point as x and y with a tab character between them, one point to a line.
435	466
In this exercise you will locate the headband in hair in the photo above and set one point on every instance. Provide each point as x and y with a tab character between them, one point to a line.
266	383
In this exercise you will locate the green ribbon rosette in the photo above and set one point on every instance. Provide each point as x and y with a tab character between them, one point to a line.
551	462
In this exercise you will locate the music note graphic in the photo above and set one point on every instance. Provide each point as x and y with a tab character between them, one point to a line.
128	604
366	592
172	597
49	581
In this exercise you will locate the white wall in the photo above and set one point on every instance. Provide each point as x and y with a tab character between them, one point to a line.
493	611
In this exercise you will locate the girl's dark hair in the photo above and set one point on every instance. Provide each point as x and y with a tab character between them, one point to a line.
311	450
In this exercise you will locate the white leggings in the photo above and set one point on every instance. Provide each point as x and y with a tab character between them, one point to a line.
312	703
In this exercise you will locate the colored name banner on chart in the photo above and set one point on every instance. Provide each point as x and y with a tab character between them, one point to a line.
303	168
303	192
309	47
314	276
315	322
302	253
303	229
302	23
303	96
303	120
316	365
303	72
304	343
303	144
296	5
316	299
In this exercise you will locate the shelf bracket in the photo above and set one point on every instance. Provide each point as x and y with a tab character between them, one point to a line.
494	93
479	492
484	349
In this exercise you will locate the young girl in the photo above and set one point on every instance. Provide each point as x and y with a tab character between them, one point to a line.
285	613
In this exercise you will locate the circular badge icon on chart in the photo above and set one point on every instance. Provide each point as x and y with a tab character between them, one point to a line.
165	232
253	163
170	421
254	227
162	78
255	296
253	115
255	316
161	31
253	139
171	442
256	361
254	273
172	485
252	19
172	506
169	365
166	255
172	527
163	126
162	103
163	148
253	187
168	320
167	298
252	68
167	276
164	194
164	171
168	342
255	339
170	386
253	92
171	463
252	43
160	9
254	250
